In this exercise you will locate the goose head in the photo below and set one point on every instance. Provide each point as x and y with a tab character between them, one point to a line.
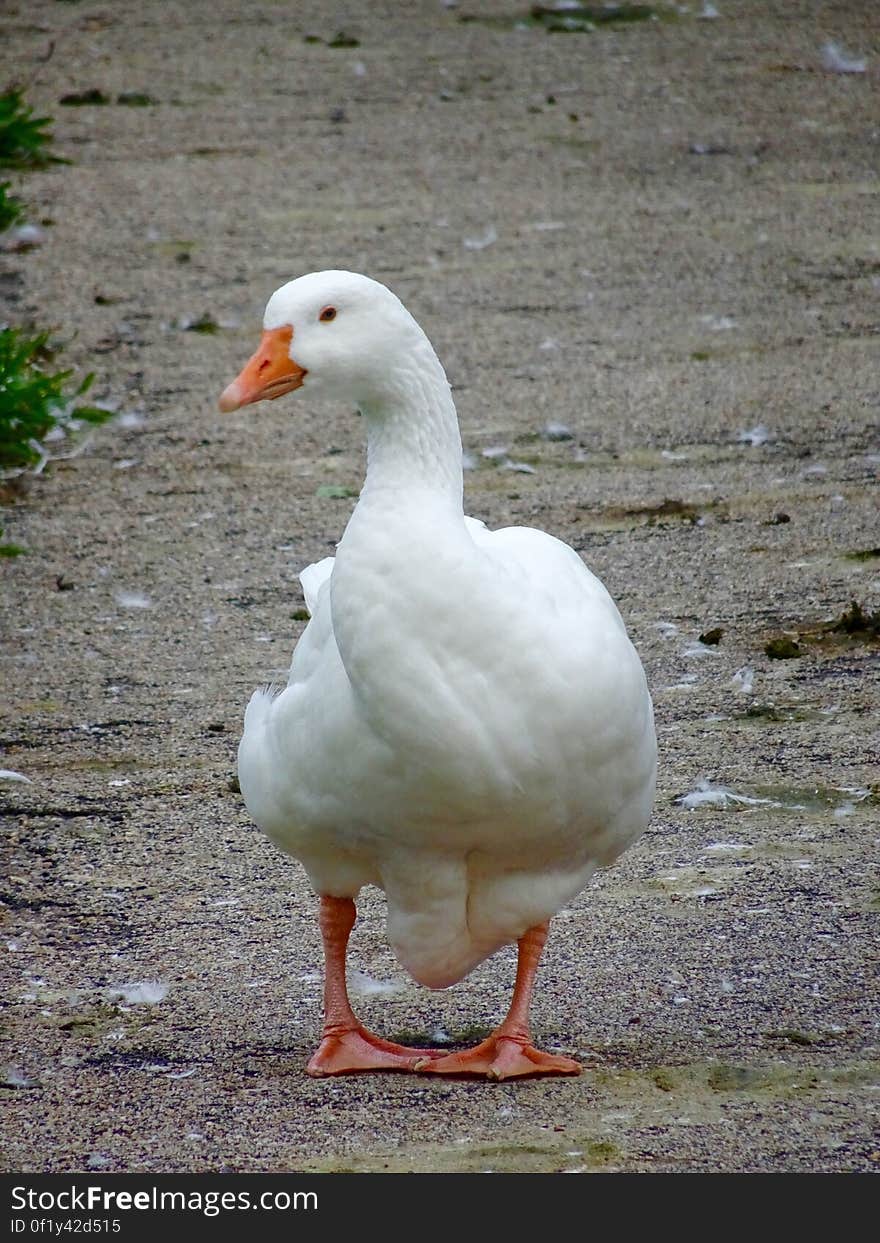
339	334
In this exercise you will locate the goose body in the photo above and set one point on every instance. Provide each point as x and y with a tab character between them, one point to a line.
466	724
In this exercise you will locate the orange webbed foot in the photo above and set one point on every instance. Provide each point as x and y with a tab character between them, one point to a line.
500	1057
358	1050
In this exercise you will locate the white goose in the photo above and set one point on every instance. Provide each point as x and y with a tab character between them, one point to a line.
466	723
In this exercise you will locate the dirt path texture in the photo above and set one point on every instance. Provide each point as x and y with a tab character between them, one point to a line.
647	254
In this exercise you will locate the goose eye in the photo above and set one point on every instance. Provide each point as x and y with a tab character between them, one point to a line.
328	313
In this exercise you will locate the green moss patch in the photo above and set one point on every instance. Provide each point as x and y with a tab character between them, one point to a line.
93	97
335	491
855	625
578	19
783	648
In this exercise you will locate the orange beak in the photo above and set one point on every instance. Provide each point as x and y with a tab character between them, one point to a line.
269	374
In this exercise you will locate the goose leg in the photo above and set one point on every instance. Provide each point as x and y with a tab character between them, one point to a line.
346	1045
509	1053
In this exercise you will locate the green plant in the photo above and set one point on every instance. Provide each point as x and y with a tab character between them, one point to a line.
11	550
35	400
10	207
24	139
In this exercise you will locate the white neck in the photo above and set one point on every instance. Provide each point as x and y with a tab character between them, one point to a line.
413	441
402	553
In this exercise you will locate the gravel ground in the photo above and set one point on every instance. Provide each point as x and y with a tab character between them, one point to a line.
663	235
